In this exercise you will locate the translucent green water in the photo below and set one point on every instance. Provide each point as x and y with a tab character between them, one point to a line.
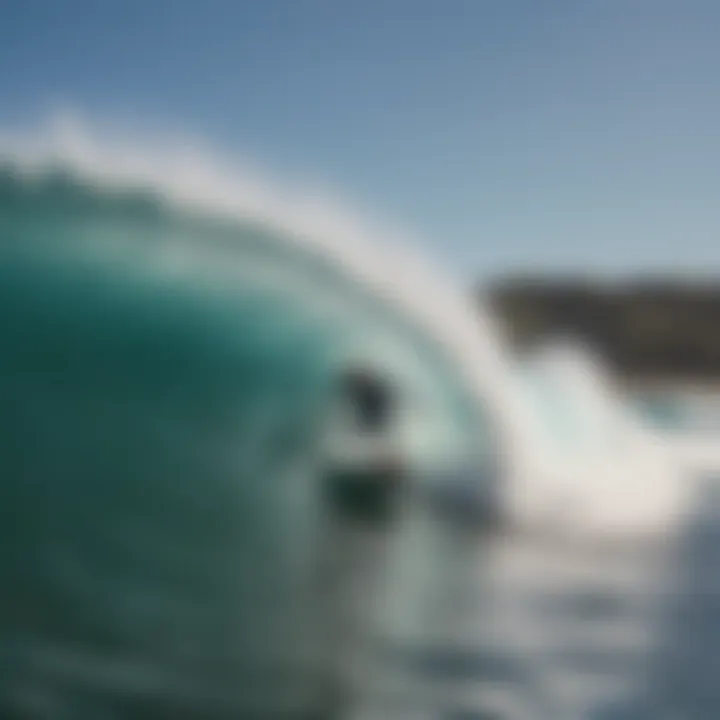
164	380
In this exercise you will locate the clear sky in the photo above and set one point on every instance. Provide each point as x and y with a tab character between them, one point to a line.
507	133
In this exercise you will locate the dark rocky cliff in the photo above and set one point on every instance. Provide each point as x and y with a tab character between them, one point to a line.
647	329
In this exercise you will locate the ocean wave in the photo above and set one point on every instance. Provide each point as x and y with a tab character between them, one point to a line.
175	212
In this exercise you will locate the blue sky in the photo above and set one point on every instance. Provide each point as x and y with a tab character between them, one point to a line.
509	134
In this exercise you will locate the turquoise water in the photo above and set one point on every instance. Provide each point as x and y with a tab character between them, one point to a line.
166	548
165	379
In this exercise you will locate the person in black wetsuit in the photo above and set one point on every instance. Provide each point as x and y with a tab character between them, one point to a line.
367	490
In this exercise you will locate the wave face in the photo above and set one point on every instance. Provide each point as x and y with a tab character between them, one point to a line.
173	337
166	373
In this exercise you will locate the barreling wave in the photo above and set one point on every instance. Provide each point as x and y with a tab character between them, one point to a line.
176	214
173	332
172	336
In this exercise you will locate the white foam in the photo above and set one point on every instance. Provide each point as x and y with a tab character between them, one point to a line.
618	476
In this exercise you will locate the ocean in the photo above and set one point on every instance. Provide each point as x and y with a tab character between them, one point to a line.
173	389
173	419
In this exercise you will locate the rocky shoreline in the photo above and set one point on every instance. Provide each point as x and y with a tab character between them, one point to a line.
653	333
